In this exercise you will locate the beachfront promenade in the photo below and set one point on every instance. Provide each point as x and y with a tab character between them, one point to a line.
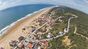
16	32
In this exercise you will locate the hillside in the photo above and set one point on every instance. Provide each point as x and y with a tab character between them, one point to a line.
77	37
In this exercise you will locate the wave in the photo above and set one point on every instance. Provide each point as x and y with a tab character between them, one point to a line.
4	30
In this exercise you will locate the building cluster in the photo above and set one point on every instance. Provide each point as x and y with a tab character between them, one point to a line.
24	43
34	40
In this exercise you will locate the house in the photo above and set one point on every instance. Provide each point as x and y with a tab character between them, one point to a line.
49	35
60	32
39	47
30	45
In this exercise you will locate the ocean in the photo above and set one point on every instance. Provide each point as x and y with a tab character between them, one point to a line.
12	14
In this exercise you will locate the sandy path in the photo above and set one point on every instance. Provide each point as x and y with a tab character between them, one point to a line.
15	32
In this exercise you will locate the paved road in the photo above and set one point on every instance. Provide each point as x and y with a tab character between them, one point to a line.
63	33
16	31
68	26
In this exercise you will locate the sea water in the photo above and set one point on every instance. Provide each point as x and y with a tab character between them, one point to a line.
12	14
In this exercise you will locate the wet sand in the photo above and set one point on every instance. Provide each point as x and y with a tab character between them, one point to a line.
16	31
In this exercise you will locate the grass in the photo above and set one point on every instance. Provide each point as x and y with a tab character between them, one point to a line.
82	27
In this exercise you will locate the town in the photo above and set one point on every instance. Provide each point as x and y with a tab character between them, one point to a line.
41	31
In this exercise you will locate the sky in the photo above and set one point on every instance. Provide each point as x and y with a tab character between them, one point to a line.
77	4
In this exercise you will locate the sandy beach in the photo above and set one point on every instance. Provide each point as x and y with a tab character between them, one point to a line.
16	30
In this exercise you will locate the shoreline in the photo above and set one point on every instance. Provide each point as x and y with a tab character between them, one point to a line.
5	29
15	29
11	26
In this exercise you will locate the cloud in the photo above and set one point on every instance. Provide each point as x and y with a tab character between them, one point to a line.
0	2
6	4
78	4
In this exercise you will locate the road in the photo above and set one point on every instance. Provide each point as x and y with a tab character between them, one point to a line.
68	26
16	32
64	32
75	32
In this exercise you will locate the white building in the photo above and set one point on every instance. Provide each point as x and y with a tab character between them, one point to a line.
49	35
60	33
39	47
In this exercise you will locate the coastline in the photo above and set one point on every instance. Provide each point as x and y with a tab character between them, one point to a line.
8	27
11	26
15	29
